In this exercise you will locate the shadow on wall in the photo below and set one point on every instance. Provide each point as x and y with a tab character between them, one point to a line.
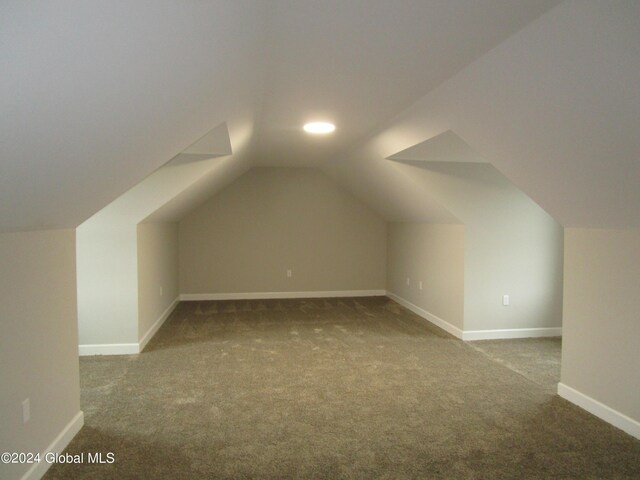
511	245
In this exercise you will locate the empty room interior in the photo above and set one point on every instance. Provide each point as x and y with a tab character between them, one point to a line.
301	239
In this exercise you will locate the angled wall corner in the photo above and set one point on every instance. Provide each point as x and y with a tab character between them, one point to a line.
511	245
444	147
113	314
215	143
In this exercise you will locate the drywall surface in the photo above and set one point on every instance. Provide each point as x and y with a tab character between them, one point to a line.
157	272
129	91
434	255
107	250
512	246
39	341
554	108
272	220
107	283
600	354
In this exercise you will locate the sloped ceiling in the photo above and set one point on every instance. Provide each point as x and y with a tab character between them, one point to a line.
163	187
96	96
446	147
360	62
555	108
471	188
215	143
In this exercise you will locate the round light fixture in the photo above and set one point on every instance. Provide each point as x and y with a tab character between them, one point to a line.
319	128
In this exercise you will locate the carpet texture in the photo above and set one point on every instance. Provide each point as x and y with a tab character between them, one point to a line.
328	389
538	359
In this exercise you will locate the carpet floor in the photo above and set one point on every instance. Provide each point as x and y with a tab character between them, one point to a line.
328	389
537	359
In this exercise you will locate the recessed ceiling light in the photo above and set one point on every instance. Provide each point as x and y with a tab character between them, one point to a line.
319	127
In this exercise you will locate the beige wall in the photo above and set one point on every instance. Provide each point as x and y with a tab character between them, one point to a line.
433	255
511	246
107	283
39	340
245	238
107	249
157	272
600	354
520	256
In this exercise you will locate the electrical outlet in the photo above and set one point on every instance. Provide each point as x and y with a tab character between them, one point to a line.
505	300
289	273
26	410
161	291
420	285
408	282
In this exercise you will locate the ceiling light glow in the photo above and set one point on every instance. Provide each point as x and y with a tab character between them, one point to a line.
319	128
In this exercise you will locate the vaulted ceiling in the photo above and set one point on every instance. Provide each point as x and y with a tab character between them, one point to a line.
96	96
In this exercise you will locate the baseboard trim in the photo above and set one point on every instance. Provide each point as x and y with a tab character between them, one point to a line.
430	317
157	324
109	349
58	445
470	335
267	295
600	410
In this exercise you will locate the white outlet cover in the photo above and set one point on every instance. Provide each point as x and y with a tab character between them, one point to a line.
505	300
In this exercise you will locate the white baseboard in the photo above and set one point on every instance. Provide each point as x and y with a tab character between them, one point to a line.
267	295
511	333
109	349
58	445
600	410
469	335
128	348
437	321
157	324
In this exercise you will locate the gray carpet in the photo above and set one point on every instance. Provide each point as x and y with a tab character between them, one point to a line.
327	389
537	359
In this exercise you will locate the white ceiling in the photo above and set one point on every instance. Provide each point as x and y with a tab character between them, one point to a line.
555	108
360	62
445	147
97	95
